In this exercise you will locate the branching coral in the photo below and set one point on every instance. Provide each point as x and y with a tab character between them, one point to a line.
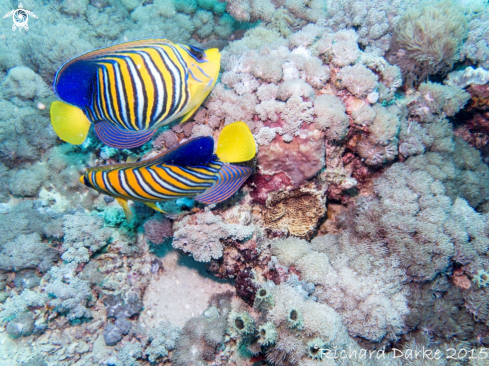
374	21
201	235
163	338
352	278
201	336
70	293
476	46
27	251
83	233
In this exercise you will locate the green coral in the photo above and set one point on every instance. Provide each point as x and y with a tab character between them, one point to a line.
294	319
263	299
481	279
267	334
316	348
243	323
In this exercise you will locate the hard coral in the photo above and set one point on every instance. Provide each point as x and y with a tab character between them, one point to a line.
481	278
296	212
264	184
70	294
163	338
84	235
201	338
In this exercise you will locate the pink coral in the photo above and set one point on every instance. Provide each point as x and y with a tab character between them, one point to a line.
265	184
157	230
299	159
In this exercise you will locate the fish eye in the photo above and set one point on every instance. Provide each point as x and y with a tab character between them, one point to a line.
197	53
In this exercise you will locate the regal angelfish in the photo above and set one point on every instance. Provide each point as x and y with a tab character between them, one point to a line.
190	170
131	89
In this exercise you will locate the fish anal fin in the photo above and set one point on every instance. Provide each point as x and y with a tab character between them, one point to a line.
153	206
122	139
230	179
125	206
197	151
236	143
69	122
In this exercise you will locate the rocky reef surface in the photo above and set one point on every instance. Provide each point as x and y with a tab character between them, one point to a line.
364	229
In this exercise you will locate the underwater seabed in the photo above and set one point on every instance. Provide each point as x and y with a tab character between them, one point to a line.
362	236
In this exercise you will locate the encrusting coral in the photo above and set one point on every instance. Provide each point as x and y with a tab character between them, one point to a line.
296	212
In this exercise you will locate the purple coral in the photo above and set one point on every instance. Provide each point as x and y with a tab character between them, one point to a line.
158	230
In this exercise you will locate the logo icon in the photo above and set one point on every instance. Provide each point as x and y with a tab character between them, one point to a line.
20	17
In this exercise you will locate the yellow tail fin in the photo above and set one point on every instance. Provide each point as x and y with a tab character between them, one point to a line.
69	123
236	143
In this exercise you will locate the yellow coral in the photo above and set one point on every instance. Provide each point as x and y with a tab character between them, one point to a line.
297	211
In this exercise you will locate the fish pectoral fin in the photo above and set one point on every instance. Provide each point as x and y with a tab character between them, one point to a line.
69	122
190	114
199	96
131	159
125	206
114	136
230	178
153	206
236	143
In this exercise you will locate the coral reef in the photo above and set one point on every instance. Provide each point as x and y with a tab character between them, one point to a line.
295	212
27	251
364	228
427	39
202	234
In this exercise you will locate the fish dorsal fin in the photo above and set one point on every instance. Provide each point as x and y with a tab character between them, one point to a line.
197	151
73	82
236	143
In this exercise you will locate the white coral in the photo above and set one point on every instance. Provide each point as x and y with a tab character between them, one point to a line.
201	235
